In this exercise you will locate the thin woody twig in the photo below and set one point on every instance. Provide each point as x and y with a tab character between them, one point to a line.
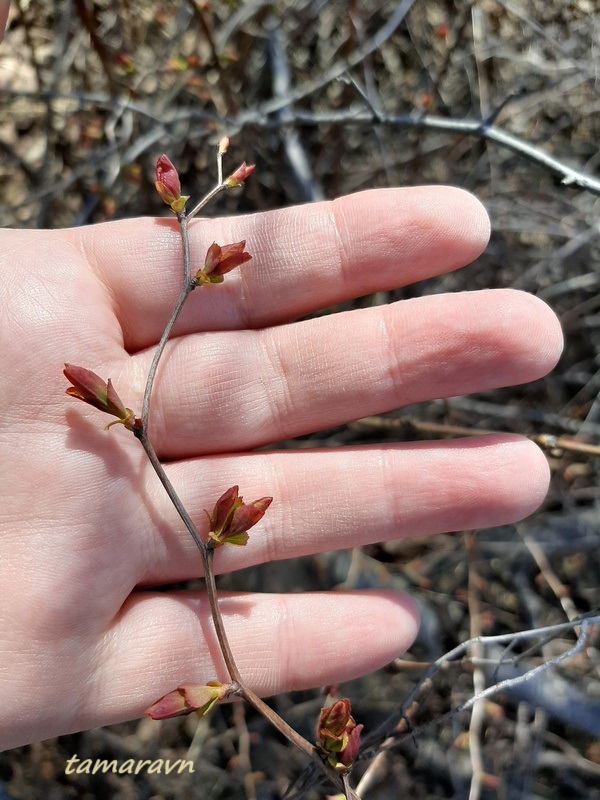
89	23
570	176
265	117
187	288
551	578
142	436
477	715
378	767
545	440
243	737
375	739
206	550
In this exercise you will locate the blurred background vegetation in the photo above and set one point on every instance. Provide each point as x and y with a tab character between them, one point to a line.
329	97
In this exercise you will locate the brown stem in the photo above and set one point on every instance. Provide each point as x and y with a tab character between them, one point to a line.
277	722
211	592
141	434
220	187
187	288
234	673
206	551
224	83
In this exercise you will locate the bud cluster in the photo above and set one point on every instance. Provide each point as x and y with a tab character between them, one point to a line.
338	735
168	185
232	518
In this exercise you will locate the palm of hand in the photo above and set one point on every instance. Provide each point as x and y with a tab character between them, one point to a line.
85	528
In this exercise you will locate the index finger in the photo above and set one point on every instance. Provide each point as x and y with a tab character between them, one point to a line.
304	258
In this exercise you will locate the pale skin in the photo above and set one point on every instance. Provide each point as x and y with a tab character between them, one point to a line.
86	530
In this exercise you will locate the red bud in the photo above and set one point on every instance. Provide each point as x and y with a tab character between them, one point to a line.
239	176
232	518
90	388
220	260
347	756
168	185
338	735
188	698
245	516
224	508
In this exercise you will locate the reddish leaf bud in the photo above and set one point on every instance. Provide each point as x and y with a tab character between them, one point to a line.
90	388
167	180
232	518
347	756
220	260
334	719
245	516
224	508
338	735
188	698
239	176
168	185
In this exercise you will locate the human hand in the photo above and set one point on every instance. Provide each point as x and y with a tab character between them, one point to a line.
4	8
86	530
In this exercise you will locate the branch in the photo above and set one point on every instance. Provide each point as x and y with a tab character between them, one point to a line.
141	434
89	23
547	441
336	71
386	730
169	189
187	288
570	176
264	117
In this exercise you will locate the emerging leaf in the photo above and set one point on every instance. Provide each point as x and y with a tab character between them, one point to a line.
90	388
188	698
239	176
220	260
232	518
168	185
338	735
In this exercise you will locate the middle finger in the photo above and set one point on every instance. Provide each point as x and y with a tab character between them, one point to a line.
231	391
